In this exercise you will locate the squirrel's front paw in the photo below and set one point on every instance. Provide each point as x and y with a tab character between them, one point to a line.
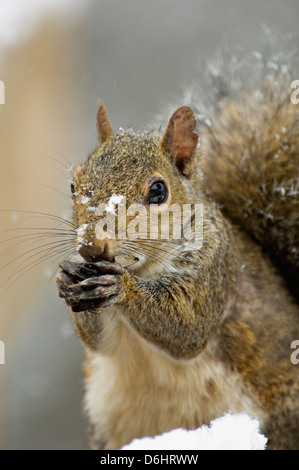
87	286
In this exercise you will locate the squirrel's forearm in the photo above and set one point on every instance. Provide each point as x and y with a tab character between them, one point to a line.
175	314
88	326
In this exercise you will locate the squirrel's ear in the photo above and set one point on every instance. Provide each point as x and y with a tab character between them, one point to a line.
104	128
179	140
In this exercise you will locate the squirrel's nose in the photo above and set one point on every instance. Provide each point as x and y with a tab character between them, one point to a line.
94	253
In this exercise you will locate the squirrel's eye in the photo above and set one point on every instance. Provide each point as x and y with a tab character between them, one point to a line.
157	193
73	189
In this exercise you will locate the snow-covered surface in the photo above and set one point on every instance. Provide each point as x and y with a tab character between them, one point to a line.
229	432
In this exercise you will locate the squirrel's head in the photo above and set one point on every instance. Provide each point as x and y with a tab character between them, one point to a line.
137	173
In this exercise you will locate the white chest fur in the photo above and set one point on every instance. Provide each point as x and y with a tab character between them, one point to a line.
134	390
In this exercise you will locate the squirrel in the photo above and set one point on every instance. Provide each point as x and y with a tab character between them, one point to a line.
180	331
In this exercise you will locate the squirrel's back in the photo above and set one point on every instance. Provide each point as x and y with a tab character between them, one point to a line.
249	140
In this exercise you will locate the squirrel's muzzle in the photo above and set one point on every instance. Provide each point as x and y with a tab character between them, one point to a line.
93	249
92	253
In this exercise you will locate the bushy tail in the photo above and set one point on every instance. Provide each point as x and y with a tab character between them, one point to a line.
250	154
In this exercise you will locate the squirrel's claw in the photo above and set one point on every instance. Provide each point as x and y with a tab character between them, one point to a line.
86	287
83	271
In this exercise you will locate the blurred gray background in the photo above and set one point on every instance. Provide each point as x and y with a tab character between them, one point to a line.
136	56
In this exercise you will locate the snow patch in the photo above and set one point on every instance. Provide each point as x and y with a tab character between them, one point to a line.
229	432
80	235
115	199
83	200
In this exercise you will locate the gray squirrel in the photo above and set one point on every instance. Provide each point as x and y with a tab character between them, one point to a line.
189	331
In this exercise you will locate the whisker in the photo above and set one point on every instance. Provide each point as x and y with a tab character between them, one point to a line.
52	189
51	231
49	245
155	245
146	237
26	269
45	215
66	257
53	242
60	154
32	253
65	167
64	172
148	253
31	237
128	252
